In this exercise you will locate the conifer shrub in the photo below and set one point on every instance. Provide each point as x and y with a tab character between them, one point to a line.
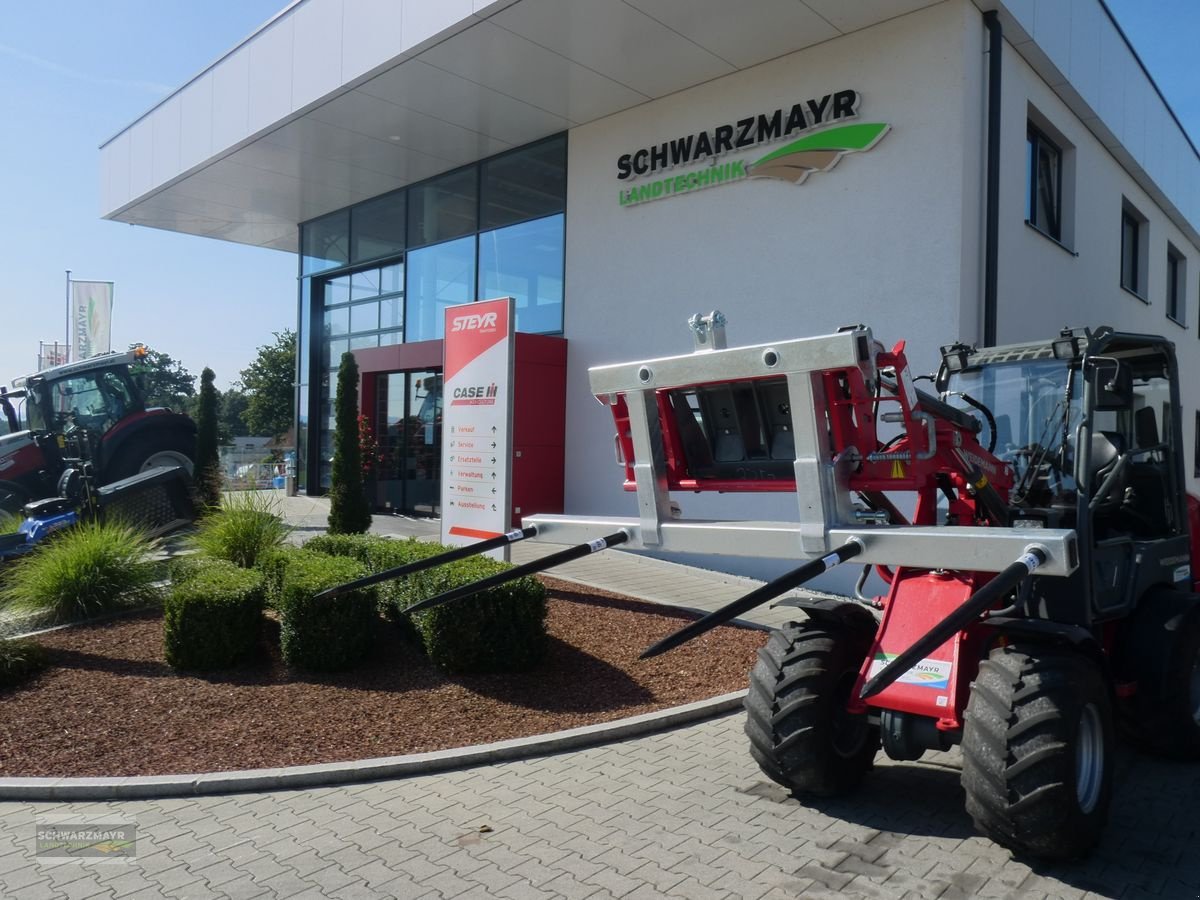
349	512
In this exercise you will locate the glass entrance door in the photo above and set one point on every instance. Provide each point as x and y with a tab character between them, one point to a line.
409	433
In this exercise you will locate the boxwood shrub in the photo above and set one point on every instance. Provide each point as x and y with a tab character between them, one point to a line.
212	616
273	563
499	630
324	635
20	660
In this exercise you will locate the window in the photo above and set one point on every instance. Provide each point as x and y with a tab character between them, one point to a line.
525	262
524	184
1044	179
325	243
1176	279
377	228
438	276
443	208
1133	251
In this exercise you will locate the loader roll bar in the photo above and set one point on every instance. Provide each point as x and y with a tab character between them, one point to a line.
529	568
420	565
963	616
757	597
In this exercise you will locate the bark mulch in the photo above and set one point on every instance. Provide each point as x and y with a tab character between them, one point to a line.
110	705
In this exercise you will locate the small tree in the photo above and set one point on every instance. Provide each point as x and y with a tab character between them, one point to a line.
208	464
348	510
269	386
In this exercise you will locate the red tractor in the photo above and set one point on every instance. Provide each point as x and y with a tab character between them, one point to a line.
104	396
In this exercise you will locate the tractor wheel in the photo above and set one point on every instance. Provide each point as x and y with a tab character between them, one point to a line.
146	452
1167	720
800	733
1038	750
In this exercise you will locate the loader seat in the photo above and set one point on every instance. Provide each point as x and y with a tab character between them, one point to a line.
1108	449
1148	506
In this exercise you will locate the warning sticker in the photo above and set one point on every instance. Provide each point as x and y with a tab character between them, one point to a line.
928	673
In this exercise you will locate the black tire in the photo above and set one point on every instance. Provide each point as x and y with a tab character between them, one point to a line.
1166	709
1038	750
800	733
129	459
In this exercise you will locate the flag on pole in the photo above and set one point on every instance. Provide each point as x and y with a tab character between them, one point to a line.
91	318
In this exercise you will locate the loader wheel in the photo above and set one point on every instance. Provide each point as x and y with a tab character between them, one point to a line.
800	733
1037	750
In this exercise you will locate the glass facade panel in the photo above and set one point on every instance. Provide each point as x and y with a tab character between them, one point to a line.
333	355
364	317
443	208
377	228
325	243
409	431
364	284
391	278
524	184
391	313
382	272
438	276
526	262
337	321
337	290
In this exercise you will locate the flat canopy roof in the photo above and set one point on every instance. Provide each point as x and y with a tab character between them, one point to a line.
336	101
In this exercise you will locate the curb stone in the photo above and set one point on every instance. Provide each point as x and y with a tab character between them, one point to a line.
326	774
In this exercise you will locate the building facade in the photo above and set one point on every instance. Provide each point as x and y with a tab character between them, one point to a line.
618	166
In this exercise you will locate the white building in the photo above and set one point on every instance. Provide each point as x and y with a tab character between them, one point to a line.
612	228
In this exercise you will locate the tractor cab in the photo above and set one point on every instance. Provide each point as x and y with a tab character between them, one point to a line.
1088	424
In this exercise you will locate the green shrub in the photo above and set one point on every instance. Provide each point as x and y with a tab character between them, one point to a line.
207	469
356	546
20	660
273	563
243	527
211	618
349	511
9	524
499	630
324	635
92	568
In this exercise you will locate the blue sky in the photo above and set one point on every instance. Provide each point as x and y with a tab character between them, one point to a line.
74	72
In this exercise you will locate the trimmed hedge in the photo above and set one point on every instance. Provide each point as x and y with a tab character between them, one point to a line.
20	660
324	635
273	563
499	630
212	616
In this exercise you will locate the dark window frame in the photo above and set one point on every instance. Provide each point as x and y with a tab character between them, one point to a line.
1036	139
1131	277
1176	286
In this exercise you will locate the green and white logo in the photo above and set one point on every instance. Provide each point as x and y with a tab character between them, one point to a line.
818	149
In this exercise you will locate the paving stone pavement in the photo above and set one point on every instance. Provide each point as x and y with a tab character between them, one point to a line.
684	813
679	814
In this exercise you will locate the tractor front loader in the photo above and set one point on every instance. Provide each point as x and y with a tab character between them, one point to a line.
1029	521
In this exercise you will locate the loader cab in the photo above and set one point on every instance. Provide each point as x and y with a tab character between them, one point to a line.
1089	423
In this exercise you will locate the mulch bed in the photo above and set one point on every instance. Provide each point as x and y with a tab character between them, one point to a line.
110	705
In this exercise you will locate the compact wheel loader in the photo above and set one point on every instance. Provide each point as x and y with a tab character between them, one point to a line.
1028	519
1026	516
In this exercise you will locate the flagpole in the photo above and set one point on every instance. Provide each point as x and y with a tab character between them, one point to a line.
68	327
